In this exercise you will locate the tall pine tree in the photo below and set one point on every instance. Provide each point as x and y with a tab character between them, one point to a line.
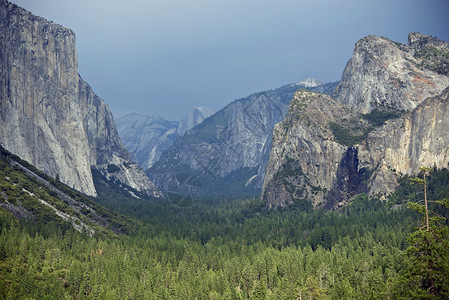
428	274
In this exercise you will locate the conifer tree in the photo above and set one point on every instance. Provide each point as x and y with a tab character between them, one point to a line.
428	253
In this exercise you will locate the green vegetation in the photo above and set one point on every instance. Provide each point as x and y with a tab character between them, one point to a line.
226	250
291	171
427	274
345	135
352	132
378	117
233	250
22	191
434	59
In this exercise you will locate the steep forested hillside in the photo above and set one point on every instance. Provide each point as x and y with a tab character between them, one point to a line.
222	250
32	195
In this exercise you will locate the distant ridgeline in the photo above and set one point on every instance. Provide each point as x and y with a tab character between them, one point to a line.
236	249
308	141
146	137
308	145
226	155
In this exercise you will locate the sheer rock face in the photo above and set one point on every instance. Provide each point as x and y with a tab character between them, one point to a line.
417	139
230	149
389	75
146	137
48	115
196	116
309	162
233	139
305	156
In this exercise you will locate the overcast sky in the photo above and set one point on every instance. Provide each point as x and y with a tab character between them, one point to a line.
160	57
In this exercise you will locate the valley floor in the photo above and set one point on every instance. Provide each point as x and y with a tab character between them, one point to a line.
229	250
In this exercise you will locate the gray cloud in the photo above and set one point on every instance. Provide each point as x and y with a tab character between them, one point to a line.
160	57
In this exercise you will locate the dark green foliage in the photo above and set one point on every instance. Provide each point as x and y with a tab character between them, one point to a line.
348	135
437	189
427	275
228	250
379	117
19	188
214	188
111	190
289	169
235	249
434	59
353	132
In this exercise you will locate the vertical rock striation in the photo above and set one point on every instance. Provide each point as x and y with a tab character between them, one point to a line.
391	117
228	152
417	139
306	156
48	115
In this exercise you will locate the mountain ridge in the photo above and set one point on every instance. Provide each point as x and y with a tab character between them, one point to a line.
326	157
385	74
230	147
30	194
146	137
48	114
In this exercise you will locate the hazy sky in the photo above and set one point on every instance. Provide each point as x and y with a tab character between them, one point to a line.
160	57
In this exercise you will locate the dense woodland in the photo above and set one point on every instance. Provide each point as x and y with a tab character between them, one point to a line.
235	249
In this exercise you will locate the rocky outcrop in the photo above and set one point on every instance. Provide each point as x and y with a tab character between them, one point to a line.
196	116
310	162
306	155
384	74
326	153
417	139
146	137
228	151
48	115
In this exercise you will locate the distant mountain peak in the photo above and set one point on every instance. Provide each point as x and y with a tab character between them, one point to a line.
196	115
309	82
204	110
146	137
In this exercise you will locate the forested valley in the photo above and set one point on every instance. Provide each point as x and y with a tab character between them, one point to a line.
231	249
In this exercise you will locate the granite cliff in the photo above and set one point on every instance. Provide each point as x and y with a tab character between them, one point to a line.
306	153
48	115
146	137
403	145
389	75
228	151
389	118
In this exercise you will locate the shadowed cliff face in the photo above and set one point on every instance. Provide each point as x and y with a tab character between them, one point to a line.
48	115
350	180
308	161
305	156
342	151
